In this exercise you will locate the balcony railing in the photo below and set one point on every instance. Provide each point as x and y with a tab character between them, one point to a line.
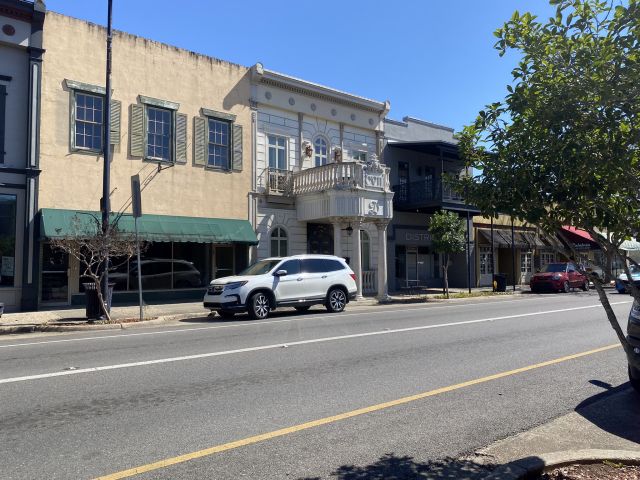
279	182
425	194
341	175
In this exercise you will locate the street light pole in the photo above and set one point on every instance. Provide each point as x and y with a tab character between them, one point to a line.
106	147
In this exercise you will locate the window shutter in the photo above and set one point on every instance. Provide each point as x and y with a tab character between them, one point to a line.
116	108
137	131
200	141
237	148
181	138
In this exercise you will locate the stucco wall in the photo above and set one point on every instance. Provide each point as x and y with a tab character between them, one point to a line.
75	50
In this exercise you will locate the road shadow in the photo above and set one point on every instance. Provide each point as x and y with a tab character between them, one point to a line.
393	467
616	410
244	318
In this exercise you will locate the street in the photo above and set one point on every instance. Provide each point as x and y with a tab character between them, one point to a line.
300	396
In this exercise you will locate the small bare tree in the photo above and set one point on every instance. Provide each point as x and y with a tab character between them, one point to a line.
91	247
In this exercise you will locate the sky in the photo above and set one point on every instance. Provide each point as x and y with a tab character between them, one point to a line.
432	59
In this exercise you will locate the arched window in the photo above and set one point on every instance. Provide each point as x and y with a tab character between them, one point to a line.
320	151
279	242
365	248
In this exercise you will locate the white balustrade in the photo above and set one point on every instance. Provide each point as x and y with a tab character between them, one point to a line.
369	281
341	175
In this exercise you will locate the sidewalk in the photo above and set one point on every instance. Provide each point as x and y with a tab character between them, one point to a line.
70	319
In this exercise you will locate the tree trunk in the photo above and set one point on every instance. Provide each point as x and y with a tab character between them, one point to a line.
611	316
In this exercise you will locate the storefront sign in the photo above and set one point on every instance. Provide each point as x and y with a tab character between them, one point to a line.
413	237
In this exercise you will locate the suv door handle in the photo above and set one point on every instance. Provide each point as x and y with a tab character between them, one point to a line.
324	276
300	279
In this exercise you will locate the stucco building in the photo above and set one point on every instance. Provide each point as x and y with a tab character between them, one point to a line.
319	184
20	76
179	120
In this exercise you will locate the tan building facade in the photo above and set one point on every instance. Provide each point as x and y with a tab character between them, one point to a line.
180	120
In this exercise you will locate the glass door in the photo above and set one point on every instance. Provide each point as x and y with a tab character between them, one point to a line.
55	276
412	267
224	262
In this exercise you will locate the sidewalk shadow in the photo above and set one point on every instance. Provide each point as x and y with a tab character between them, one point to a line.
616	410
392	467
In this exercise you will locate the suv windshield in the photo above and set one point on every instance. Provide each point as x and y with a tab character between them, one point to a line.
260	268
554	267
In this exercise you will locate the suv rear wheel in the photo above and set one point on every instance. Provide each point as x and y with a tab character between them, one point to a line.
258	306
336	300
634	378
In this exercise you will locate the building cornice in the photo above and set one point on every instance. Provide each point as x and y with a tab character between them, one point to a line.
259	74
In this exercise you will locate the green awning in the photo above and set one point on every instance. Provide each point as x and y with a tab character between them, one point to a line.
58	223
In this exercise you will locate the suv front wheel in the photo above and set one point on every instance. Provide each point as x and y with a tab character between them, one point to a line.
258	306
336	300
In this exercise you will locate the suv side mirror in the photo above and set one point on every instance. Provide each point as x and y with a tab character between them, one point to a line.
280	273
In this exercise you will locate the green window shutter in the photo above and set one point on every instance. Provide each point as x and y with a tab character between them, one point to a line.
3	105
181	138
199	141
137	131
237	148
114	135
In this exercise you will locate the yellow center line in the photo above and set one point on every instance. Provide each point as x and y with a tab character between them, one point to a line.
336	418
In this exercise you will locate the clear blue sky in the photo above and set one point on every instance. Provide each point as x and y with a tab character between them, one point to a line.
433	59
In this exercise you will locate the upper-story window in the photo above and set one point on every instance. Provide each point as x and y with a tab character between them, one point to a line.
359	156
159	134
3	104
320	151
277	152
89	117
218	143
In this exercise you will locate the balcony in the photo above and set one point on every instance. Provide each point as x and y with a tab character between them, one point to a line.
279	182
425	195
341	176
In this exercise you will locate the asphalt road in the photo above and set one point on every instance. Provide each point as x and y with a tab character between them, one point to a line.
299	396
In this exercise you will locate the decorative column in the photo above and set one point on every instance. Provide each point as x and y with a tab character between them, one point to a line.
383	287
356	261
337	237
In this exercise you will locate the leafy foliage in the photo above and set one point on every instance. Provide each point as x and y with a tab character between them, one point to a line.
447	236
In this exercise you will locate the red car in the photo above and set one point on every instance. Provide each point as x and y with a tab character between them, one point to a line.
558	277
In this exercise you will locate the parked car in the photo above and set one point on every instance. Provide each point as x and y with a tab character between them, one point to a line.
622	282
633	337
558	277
299	281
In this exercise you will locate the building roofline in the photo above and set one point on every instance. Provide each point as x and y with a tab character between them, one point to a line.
132	36
407	119
262	75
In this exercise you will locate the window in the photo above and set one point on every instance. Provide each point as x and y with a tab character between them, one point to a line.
277	152
315	265
279	242
218	144
291	266
359	156
7	239
525	262
88	121
320	151
547	257
3	104
159	133
365	248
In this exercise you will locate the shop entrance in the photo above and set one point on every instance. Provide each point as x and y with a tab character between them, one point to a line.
55	276
419	265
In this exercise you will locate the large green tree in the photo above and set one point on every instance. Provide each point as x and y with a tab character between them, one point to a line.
562	147
447	237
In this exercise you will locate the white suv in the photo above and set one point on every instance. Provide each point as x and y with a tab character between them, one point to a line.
299	281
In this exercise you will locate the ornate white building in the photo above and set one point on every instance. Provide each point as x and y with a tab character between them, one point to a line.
319	184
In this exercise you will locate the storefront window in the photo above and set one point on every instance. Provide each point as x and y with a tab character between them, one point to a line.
486	261
190	265
7	240
525	262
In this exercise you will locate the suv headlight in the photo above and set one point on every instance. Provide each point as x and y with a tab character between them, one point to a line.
234	285
557	276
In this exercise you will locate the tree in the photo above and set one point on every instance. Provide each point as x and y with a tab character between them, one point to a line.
91	247
562	147
447	237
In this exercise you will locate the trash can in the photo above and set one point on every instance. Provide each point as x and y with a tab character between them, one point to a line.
499	282
93	309
1	308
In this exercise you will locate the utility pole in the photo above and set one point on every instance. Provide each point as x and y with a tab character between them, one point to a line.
106	172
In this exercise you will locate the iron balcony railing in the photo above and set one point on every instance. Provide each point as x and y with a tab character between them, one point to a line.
425	193
279	182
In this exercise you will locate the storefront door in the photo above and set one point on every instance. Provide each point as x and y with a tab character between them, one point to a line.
224	262
419	266
55	276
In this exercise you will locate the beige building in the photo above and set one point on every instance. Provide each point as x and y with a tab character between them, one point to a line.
181	121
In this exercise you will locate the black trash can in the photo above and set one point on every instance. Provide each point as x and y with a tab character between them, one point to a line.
93	309
499	282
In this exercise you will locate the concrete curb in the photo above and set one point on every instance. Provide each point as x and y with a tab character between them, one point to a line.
526	467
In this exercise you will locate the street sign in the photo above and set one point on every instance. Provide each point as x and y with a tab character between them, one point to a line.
136	197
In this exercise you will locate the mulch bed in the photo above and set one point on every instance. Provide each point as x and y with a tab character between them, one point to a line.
596	471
